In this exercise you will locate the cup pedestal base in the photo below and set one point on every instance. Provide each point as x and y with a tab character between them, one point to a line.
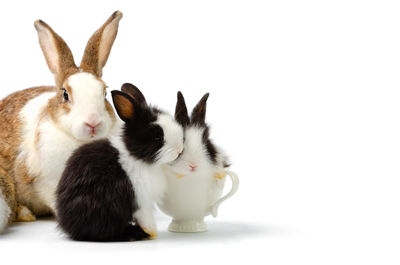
192	226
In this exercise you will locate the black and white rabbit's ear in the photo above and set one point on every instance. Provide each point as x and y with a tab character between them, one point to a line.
199	112
124	105
57	53
181	113
99	45
135	94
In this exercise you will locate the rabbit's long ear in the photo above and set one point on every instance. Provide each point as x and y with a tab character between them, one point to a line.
135	94
124	105
99	45
199	111
57	53
181	113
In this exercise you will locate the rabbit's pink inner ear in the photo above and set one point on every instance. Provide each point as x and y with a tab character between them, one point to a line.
99	45
123	105
58	56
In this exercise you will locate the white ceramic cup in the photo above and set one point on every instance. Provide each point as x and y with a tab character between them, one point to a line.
191	198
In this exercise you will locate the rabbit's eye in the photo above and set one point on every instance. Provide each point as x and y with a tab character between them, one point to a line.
65	94
157	138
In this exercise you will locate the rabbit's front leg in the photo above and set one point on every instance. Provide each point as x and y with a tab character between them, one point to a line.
145	219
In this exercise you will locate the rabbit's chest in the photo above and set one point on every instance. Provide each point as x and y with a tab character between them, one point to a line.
54	150
148	183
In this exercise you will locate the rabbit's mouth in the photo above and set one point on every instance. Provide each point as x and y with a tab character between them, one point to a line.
90	132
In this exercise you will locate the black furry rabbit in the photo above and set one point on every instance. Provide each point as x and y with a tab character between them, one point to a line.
109	186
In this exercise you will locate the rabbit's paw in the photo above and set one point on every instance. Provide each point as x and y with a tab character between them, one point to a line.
24	214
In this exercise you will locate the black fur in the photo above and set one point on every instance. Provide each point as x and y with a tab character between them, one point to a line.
199	111
142	137
134	92
181	113
95	198
197	119
211	150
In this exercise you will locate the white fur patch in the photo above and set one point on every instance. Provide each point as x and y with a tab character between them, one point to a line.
148	182
54	150
30	115
173	139
5	212
194	147
88	106
195	153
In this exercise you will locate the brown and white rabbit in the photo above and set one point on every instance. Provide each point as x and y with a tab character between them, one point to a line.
108	184
40	127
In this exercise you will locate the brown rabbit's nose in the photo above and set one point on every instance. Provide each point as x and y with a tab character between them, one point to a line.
92	125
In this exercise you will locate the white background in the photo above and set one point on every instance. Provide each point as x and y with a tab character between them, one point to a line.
304	98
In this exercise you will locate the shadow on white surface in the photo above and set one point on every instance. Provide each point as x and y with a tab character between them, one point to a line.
45	230
220	231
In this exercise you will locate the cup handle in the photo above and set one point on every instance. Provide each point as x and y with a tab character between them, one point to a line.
235	186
